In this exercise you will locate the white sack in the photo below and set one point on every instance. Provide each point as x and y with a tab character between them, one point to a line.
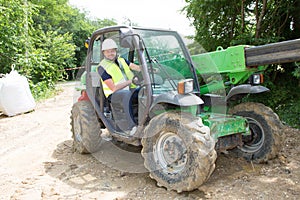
15	95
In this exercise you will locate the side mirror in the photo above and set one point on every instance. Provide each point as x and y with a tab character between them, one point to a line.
127	38
126	42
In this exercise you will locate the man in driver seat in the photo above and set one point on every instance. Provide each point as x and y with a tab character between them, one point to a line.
115	71
116	74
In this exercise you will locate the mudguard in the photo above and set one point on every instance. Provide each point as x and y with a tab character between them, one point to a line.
173	97
246	89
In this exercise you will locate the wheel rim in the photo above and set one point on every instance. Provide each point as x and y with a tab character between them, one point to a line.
77	129
255	141
170	153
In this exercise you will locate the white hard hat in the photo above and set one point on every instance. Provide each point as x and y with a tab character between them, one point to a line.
109	44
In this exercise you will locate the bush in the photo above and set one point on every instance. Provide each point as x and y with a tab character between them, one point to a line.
284	96
45	63
289	113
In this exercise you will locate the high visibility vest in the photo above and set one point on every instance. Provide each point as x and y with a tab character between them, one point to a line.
117	76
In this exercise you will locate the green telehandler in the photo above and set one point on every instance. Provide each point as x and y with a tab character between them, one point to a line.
180	113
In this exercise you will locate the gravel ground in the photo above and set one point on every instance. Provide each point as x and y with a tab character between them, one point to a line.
37	162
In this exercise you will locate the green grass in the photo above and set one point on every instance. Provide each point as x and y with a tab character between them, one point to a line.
40	94
289	113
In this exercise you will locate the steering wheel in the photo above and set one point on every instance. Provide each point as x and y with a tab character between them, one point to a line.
137	80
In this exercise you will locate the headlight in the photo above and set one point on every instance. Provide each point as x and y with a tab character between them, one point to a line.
185	86
257	79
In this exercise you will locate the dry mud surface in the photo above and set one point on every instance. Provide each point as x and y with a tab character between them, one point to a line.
37	162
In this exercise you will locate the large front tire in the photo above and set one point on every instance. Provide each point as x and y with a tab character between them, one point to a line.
178	151
266	129
85	128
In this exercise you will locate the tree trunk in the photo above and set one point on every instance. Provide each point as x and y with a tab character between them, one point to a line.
260	18
296	20
232	26
243	16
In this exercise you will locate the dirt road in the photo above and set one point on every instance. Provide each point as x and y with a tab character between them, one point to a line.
37	162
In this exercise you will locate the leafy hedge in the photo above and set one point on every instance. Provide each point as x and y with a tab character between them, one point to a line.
284	96
42	38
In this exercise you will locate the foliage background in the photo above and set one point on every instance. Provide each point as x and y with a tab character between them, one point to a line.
253	22
42	38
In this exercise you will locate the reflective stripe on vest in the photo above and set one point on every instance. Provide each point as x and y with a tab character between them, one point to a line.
117	76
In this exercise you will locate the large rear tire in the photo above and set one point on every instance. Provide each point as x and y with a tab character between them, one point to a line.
267	135
85	128
178	151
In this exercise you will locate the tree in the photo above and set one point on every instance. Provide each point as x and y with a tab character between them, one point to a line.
61	17
216	22
253	22
42	38
15	26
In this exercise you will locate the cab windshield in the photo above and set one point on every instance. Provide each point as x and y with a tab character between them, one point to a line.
166	60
